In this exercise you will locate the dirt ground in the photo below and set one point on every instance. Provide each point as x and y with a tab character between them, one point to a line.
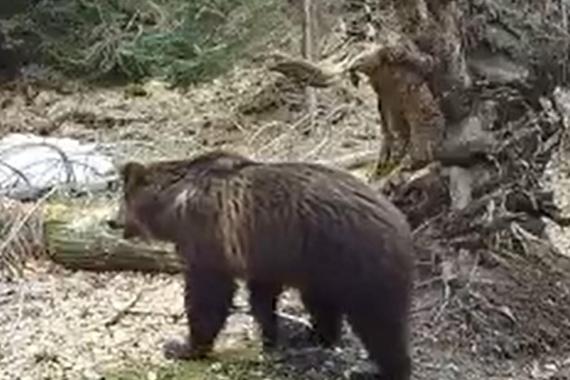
57	324
60	324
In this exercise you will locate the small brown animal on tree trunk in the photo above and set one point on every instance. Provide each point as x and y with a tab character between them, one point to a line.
412	121
347	249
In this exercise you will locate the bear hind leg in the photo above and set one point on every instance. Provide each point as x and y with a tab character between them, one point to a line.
386	340
326	319
263	299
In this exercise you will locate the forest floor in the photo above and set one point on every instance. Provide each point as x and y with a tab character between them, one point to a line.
61	324
54	323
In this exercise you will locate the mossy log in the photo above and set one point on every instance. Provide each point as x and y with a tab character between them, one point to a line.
77	237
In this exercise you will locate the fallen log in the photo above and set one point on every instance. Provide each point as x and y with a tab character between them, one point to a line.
77	236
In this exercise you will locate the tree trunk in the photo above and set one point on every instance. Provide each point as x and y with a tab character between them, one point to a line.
491	78
77	237
482	199
308	53
470	95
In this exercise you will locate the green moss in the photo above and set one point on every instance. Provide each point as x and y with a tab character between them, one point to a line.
382	169
242	364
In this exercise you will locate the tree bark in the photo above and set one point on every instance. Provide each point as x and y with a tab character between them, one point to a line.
496	72
77	237
308	52
496	66
489	82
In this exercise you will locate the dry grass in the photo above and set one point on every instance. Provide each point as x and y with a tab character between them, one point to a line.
21	235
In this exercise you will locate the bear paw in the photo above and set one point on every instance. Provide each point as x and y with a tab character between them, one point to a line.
175	349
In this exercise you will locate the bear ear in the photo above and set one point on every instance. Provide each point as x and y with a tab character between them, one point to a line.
133	174
230	161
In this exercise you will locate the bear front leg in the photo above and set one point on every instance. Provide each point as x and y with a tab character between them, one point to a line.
208	296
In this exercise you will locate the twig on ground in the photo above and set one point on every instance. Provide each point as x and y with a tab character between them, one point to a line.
294	318
353	160
150	313
16	323
124	310
328	134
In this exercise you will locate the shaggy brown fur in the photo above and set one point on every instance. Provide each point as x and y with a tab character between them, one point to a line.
346	248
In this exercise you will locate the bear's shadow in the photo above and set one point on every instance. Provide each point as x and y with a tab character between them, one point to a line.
299	356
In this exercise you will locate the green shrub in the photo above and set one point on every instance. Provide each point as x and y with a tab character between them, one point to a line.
182	41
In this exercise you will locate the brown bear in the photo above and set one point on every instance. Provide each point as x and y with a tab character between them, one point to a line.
347	249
